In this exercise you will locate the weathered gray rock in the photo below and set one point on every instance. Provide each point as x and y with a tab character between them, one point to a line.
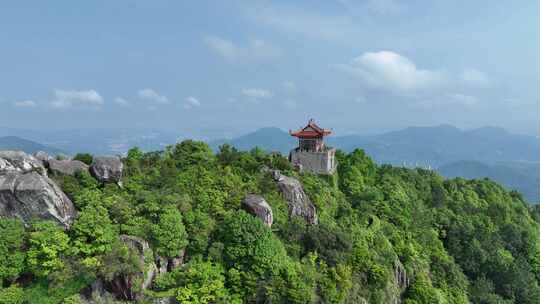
299	203
67	167
161	264
257	205
401	280
399	284
43	157
20	162
124	287
31	195
107	169
276	175
169	300
178	261
164	265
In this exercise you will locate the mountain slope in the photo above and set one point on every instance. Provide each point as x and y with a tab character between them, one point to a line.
521	176
28	146
269	139
196	225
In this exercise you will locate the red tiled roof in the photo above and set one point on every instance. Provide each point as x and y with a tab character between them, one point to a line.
311	130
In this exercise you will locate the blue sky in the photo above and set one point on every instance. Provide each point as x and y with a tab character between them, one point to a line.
212	68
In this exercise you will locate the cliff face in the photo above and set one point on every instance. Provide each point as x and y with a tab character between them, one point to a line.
293	193
26	192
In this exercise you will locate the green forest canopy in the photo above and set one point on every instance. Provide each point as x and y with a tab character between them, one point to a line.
384	233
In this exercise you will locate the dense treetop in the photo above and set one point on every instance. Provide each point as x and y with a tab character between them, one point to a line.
384	233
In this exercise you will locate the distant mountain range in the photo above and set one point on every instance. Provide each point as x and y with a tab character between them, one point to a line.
28	146
97	141
521	176
511	159
414	146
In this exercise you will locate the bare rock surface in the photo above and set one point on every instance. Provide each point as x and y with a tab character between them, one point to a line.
31	195
299	203
107	169
169	300
124	287
257	205
67	167
43	157
20	162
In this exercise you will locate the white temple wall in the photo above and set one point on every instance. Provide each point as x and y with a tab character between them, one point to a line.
317	162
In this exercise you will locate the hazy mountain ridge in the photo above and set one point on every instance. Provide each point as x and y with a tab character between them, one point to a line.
521	176
485	152
28	146
98	141
413	146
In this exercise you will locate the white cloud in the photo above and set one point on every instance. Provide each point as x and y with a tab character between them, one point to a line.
257	94
390	71
255	51
191	102
151	95
25	104
121	101
475	78
71	98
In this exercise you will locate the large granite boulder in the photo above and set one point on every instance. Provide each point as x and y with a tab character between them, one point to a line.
107	169
257	205
299	203
130	287
66	167
32	195
20	162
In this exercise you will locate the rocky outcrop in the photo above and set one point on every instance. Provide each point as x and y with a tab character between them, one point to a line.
299	203
400	283
20	162
161	264
107	169
257	206
177	261
66	167
27	193
401	280
43	157
31	195
165	265
130	287
169	300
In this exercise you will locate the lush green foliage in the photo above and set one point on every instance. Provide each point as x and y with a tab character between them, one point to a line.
11	249
84	157
384	233
47	244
